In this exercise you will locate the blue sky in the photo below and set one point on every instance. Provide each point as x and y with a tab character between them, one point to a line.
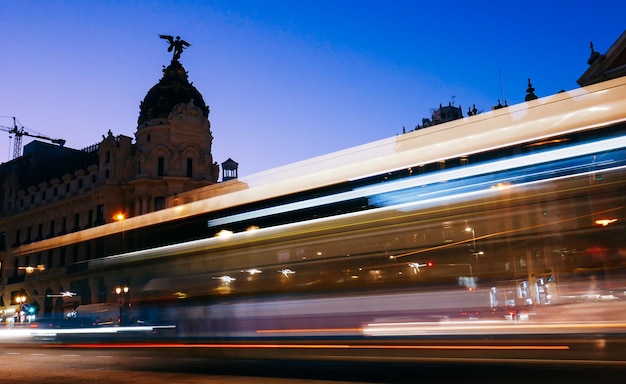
287	80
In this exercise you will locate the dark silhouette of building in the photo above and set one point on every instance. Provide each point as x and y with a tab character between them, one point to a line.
610	65
51	190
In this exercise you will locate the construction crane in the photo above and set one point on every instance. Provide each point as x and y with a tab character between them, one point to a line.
19	132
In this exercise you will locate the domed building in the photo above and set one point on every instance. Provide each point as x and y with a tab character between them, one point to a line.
51	191
173	141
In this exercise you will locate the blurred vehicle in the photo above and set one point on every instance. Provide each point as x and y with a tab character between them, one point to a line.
61	323
467	230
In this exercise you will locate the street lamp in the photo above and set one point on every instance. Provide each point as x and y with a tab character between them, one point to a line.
470	229
474	251
20	299
122	293
119	290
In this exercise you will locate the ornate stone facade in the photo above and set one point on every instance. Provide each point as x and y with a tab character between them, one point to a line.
51	191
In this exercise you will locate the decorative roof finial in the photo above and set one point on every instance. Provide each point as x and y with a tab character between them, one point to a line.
176	45
530	92
594	54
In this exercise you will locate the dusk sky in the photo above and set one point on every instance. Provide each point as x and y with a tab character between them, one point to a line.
287	80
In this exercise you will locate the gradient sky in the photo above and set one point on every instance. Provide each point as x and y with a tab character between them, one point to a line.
287	80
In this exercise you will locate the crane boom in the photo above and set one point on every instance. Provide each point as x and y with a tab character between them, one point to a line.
19	132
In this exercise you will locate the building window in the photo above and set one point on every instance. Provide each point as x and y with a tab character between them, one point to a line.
99	214
51	232
107	158
63	226
76	222
161	166
89	218
159	203
62	257
3	244
17	238
189	167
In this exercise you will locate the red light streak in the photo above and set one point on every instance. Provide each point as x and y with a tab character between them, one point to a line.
326	346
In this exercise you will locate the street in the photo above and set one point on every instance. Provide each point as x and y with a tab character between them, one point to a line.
45	365
51	366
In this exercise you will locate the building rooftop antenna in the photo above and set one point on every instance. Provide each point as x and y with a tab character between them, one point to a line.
501	87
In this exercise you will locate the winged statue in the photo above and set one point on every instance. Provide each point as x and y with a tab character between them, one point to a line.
177	45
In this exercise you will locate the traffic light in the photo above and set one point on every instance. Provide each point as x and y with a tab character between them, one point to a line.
429	264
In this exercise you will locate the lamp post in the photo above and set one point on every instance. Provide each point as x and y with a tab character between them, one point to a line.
474	252
122	301
20	300
470	229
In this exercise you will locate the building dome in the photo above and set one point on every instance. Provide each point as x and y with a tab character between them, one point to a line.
173	89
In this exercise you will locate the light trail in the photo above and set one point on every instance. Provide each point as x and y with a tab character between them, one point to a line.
491	327
20	333
438	177
310	330
554	347
459	194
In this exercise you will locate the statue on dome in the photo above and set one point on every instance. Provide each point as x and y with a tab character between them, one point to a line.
177	45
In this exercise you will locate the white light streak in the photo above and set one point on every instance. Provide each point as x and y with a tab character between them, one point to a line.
437	177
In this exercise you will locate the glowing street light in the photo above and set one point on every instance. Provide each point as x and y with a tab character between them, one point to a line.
119	290
30	269
605	222
416	266
224	233
121	218
225	279
470	229
20	300
122	302
474	251
286	272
